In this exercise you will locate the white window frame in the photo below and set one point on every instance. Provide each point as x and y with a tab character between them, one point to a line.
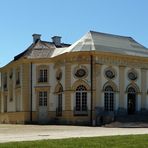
109	99
81	100
43	98
43	75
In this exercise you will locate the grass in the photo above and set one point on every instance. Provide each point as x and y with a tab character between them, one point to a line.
130	141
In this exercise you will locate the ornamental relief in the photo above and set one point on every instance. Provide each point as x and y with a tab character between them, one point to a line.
118	61
80	72
73	59
132	75
109	73
58	74
58	64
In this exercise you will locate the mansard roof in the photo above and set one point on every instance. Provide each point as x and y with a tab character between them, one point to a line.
102	42
91	41
40	49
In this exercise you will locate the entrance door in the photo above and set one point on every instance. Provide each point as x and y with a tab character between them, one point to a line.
131	103
43	109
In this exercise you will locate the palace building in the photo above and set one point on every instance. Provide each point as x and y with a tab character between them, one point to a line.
95	79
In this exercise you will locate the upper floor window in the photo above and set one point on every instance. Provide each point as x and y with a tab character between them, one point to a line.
43	75
80	72
11	74
132	75
110	73
17	77
5	81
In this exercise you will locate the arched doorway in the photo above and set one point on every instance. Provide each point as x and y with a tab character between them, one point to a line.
131	100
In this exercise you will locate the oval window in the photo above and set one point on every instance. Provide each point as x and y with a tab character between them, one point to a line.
80	73
109	74
132	75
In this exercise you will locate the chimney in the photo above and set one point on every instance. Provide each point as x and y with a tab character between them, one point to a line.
36	37
56	40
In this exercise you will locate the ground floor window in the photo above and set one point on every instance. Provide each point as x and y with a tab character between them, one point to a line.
59	100
43	98
18	102
109	99
59	108
131	100
81	99
5	103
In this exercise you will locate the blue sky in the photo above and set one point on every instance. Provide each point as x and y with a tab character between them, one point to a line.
71	19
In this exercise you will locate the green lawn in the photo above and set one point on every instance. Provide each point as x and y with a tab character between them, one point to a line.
132	141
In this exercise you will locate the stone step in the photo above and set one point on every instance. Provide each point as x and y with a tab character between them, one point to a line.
132	118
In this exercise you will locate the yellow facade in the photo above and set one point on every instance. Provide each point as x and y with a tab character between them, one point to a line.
58	90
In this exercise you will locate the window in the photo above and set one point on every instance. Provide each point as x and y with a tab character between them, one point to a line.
131	90
59	107
17	77
132	75
18	105
109	99
80	72
5	103
11	74
43	98
109	73
5	81
81	100
42	75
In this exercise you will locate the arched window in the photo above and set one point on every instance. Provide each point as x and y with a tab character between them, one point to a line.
131	90
109	99
59	105
131	100
81	98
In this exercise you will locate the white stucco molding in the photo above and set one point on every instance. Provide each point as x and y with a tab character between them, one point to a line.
58	88
112	84
134	86
80	82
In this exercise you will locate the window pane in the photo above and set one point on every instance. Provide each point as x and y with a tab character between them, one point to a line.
84	101
59	100
109	100
40	98
78	101
81	98
43	98
43	75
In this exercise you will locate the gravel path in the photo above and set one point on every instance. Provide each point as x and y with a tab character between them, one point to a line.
37	132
